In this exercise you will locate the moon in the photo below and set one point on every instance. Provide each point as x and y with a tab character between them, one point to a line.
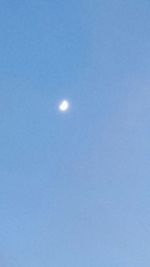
64	105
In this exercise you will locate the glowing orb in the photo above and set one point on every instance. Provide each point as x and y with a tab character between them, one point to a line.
64	106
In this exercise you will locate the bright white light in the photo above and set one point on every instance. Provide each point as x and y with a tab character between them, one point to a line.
64	105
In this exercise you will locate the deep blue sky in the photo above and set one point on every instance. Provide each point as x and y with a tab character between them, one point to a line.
74	187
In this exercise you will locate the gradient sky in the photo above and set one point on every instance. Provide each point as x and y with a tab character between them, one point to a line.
75	187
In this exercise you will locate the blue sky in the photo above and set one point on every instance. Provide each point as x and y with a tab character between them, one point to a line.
74	187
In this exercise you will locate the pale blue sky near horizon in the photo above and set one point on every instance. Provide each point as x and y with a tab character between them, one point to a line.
74	187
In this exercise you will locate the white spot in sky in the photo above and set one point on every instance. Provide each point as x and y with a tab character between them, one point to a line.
64	106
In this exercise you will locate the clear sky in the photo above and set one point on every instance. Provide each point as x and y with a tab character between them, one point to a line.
75	186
